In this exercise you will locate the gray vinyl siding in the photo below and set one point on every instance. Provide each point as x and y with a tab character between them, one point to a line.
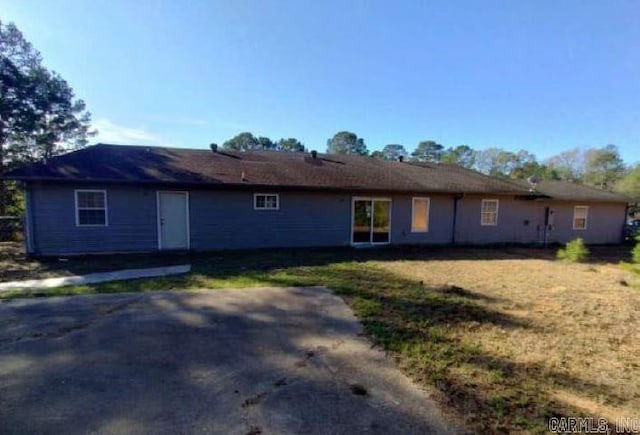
131	221
512	226
440	221
522	221
227	220
605	222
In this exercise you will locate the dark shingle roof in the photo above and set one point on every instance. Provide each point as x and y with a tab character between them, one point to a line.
142	164
565	190
118	163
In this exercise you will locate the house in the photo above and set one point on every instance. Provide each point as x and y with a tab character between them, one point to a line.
111	198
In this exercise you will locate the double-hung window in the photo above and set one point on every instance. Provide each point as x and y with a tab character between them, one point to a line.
266	201
580	214
489	212
91	208
420	215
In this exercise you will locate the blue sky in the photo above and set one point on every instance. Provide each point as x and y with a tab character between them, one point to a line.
537	75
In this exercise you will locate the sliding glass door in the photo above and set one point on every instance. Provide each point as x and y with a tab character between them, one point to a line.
361	221
381	221
371	221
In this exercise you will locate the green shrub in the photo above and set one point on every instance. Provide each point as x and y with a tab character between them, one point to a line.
574	252
635	254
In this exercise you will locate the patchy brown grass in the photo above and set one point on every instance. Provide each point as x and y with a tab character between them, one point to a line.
576	344
506	337
15	265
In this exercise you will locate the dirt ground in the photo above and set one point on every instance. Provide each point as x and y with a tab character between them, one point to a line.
15	265
567	331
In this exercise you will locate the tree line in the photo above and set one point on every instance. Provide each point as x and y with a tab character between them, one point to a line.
248	142
601	167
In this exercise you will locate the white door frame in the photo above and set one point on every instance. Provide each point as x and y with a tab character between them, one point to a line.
159	226
353	211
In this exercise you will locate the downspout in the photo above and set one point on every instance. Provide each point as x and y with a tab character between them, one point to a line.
456	198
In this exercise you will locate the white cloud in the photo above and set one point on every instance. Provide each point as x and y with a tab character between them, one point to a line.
110	132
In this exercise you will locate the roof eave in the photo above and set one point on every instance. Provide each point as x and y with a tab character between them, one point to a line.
249	185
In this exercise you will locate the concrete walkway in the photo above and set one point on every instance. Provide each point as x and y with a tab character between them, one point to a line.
249	361
94	278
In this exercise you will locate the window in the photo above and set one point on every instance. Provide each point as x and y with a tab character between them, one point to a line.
420	215
489	212
580	213
263	201
91	207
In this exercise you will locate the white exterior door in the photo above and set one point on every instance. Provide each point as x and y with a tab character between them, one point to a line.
173	220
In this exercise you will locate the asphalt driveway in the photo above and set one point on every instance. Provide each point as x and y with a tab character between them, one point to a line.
233	361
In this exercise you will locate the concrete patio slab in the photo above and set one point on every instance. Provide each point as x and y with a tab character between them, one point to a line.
270	361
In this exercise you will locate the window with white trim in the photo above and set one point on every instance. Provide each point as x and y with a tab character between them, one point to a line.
266	201
489	212
420	215
91	208
580	214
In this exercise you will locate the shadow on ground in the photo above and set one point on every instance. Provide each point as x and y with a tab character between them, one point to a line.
425	329
16	265
422	328
250	361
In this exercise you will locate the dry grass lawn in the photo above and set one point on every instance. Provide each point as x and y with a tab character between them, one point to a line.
506	338
567	335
